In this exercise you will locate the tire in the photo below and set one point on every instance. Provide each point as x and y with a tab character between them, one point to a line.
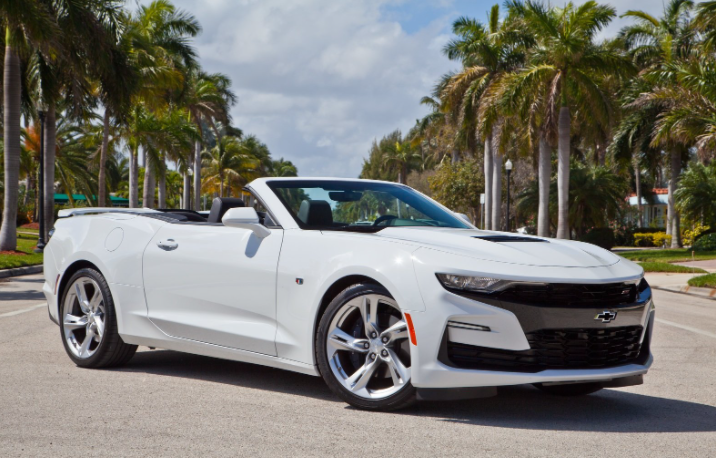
344	350
91	317
571	389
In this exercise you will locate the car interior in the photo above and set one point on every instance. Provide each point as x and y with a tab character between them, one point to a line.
219	206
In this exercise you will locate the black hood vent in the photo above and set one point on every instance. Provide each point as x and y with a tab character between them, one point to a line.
508	239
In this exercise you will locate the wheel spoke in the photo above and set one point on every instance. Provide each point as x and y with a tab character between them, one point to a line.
369	313
82	297
396	332
72	322
362	376
341	340
398	372
99	325
84	348
96	300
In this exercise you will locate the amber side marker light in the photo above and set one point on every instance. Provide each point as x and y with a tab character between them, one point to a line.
411	329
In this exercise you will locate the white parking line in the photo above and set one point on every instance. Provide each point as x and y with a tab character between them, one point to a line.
687	328
18	312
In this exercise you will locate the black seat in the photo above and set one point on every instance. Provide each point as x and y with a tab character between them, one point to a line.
220	205
316	213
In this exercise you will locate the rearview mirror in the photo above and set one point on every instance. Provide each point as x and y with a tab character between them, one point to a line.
245	218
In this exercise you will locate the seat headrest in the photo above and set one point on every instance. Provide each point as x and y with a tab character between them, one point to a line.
316	213
220	205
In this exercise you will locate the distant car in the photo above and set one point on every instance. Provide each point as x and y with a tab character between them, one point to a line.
386	294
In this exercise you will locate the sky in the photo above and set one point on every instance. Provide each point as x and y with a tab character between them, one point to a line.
319	80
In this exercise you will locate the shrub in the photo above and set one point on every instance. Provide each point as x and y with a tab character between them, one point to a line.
655	239
705	243
689	236
600	236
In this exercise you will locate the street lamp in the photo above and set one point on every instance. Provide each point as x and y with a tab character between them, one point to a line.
41	185
508	168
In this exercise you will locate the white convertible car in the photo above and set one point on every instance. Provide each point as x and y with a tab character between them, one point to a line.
386	294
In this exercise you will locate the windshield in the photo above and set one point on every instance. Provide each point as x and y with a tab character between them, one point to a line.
359	206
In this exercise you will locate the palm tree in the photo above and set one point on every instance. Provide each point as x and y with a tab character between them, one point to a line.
566	60
696	195
403	158
657	46
227	162
28	25
282	168
488	53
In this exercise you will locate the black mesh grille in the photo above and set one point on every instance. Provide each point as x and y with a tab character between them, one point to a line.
570	295
555	349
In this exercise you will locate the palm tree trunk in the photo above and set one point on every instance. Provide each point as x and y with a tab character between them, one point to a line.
26	197
563	174
221	185
673	217
148	194
488	180
186	192
11	132
102	179
455	156
637	181
545	174
496	191
197	176
49	178
134	179
162	187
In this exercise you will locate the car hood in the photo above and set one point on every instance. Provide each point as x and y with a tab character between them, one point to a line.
505	247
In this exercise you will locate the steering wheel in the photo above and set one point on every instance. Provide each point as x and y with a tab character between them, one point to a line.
384	218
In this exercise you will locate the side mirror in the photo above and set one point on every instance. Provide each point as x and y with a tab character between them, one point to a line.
245	218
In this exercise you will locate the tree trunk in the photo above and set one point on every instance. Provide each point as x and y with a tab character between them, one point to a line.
637	181
545	173
455	156
11	132
49	178
496	190
673	220
488	181
102	179
134	179
186	192
148	194
26	197
162	187
197	176
563	174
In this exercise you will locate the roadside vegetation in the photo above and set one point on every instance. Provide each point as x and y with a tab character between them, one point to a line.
23	255
668	256
651	266
704	281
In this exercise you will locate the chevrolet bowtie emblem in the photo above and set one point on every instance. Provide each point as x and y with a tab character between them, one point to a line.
606	316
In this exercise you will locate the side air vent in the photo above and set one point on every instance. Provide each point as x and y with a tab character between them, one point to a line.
508	239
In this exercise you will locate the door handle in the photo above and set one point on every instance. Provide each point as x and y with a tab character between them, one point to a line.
168	245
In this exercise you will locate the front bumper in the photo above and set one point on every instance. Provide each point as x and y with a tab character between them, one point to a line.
432	370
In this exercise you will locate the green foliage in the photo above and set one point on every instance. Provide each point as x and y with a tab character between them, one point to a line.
458	186
25	244
653	239
689	236
668	255
704	281
705	243
696	195
600	236
650	266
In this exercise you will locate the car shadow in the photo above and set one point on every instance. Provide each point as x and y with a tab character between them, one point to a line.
21	294
521	407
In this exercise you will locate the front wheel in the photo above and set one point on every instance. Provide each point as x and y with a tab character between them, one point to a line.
363	351
88	323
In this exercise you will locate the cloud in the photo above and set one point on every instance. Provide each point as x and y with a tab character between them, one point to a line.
318	80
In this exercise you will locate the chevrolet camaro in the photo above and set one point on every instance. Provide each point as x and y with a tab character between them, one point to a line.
384	293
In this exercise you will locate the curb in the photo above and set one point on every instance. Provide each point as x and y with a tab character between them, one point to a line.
704	293
17	271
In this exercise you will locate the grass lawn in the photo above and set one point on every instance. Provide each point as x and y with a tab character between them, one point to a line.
675	255
704	281
25	243
652	266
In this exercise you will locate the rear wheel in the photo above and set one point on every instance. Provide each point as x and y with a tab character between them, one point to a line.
88	323
363	351
571	389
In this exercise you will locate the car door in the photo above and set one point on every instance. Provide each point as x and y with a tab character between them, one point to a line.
214	284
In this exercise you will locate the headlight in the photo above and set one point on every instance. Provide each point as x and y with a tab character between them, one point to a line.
477	284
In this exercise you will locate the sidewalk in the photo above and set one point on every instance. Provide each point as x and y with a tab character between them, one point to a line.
678	283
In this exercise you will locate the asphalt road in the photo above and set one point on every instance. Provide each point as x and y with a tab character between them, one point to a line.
170	404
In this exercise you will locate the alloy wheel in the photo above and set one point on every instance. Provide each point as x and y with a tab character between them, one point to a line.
83	317
367	347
